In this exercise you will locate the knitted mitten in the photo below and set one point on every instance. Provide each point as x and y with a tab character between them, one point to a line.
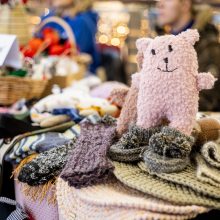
88	163
45	166
130	145
168	151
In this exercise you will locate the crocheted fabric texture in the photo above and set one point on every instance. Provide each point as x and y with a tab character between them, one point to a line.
207	173
169	82
118	202
131	144
188	178
88	163
211	153
166	188
168	151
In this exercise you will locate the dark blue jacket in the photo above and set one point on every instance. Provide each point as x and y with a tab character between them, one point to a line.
84	26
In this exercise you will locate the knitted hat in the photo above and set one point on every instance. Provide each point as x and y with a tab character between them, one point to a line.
168	151
134	177
206	173
187	178
88	163
118	202
131	144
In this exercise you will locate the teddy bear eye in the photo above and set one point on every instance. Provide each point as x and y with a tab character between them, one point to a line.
170	48
153	52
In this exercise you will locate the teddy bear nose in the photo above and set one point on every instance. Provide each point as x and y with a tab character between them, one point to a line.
165	60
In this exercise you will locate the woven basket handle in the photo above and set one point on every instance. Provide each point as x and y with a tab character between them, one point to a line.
62	23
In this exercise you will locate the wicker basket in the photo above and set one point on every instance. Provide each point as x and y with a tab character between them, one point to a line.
14	88
83	60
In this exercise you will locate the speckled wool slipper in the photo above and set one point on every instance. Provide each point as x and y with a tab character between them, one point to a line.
159	164
131	144
168	151
171	143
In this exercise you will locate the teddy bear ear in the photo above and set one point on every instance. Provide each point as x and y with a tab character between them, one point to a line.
142	43
191	36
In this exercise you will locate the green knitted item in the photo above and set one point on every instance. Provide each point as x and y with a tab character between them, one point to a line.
134	177
187	178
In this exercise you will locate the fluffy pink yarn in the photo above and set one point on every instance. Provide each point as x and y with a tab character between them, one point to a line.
169	82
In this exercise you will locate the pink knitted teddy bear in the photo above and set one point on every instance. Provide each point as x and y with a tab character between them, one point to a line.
169	83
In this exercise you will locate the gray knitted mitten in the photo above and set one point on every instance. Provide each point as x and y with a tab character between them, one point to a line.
46	166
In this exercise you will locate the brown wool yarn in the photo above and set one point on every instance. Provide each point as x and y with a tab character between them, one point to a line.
208	130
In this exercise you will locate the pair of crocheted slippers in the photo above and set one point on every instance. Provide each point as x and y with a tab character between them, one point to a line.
163	149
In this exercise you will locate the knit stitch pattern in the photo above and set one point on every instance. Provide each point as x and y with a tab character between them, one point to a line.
88	163
27	144
119	202
187	178
206	173
134	177
46	166
168	151
131	144
169	82
211	153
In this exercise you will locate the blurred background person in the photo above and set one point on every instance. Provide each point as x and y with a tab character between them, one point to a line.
83	21
175	16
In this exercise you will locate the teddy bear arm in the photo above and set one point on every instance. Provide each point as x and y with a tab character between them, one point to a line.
205	81
118	96
136	80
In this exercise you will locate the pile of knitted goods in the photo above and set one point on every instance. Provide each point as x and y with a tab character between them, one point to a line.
75	102
156	161
40	155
